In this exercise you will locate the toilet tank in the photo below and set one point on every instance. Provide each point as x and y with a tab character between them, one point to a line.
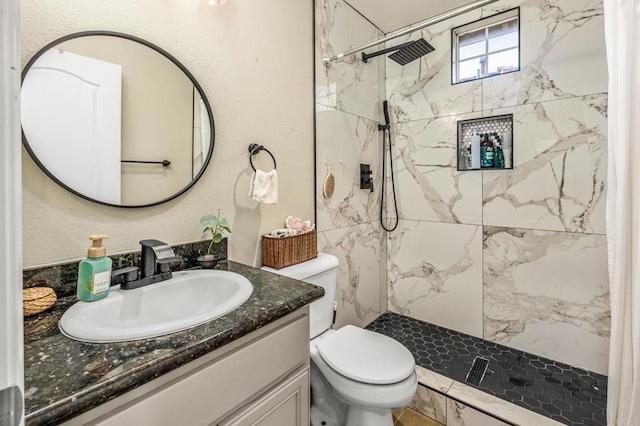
321	271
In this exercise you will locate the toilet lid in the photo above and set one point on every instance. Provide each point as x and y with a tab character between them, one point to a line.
366	356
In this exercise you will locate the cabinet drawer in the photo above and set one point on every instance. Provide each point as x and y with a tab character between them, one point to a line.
218	388
287	404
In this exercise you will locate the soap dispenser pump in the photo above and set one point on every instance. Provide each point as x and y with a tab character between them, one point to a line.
94	272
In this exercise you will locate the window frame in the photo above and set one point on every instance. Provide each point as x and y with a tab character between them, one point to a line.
483	24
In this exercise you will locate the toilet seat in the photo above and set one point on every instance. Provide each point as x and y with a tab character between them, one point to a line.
365	356
392	396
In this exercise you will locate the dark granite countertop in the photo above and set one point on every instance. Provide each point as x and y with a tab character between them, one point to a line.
64	377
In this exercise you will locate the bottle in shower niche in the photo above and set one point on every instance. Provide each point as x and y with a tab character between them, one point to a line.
498	155
475	151
506	150
486	152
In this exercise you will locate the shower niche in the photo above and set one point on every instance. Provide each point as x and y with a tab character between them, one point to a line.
486	143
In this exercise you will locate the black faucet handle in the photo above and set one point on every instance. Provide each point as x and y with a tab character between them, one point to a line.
152	243
152	252
130	273
164	265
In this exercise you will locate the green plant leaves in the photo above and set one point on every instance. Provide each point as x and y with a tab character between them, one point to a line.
211	221
224	224
216	226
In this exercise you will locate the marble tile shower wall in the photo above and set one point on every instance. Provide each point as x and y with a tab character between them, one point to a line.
517	257
348	97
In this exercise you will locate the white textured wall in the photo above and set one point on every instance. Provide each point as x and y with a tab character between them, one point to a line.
253	60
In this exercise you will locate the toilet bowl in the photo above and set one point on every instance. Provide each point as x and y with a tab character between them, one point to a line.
358	377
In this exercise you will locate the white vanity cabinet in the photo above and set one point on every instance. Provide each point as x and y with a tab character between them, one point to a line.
287	404
260	379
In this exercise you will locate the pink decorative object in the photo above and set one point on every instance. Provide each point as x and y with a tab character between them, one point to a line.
293	222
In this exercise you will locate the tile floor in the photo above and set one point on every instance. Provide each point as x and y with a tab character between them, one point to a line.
561	392
410	417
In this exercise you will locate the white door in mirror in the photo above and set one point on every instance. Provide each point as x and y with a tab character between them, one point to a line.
71	116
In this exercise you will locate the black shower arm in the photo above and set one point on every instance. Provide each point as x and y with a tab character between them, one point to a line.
367	56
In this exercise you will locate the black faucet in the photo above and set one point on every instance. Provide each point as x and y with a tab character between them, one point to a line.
155	266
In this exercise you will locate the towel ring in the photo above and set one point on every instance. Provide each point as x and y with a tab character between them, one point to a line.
254	148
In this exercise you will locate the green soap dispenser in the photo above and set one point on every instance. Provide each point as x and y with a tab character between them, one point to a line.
94	273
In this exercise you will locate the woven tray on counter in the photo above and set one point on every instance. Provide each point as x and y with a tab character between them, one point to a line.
279	253
37	299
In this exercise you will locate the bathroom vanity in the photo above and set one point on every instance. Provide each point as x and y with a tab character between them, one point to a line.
248	367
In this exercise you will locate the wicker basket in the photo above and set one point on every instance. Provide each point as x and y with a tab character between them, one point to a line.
37	299
279	253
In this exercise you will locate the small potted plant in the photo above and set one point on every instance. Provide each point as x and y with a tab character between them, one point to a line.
217	226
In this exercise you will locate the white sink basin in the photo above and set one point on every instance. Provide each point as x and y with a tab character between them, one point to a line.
188	299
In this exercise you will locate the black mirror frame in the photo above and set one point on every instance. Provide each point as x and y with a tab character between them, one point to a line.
164	53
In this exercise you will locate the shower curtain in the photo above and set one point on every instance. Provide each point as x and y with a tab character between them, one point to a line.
622	33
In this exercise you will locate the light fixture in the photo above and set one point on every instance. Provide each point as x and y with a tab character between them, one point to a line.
217	2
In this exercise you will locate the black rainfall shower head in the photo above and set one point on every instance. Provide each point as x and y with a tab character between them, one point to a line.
404	53
411	52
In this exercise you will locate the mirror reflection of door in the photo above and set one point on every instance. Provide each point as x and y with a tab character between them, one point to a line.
157	117
161	112
71	112
201	133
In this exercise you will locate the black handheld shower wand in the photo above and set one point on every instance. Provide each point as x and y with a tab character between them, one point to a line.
386	130
385	109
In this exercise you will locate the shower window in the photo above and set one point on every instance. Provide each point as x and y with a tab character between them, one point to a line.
485	48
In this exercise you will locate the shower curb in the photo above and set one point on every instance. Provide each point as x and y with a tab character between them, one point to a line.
481	401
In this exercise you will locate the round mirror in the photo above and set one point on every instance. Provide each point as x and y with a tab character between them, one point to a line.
115	119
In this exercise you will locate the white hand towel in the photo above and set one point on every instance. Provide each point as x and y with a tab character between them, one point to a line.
264	187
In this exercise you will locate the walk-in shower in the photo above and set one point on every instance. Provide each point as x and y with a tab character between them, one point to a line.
481	278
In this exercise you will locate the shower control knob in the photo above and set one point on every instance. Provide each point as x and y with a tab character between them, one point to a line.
366	179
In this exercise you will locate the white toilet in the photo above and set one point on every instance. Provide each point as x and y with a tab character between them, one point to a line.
358	377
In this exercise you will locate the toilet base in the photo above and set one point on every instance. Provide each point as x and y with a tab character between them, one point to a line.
329	410
326	409
357	417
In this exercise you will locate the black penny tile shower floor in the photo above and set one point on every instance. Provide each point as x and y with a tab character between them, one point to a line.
559	391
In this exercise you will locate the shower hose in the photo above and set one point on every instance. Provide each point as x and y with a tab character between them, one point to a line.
386	131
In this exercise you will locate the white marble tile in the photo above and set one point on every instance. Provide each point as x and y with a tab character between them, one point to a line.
459	414
562	53
495	406
435	274
428	185
358	248
547	293
431	404
433	380
559	179
344	141
350	84
422	89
